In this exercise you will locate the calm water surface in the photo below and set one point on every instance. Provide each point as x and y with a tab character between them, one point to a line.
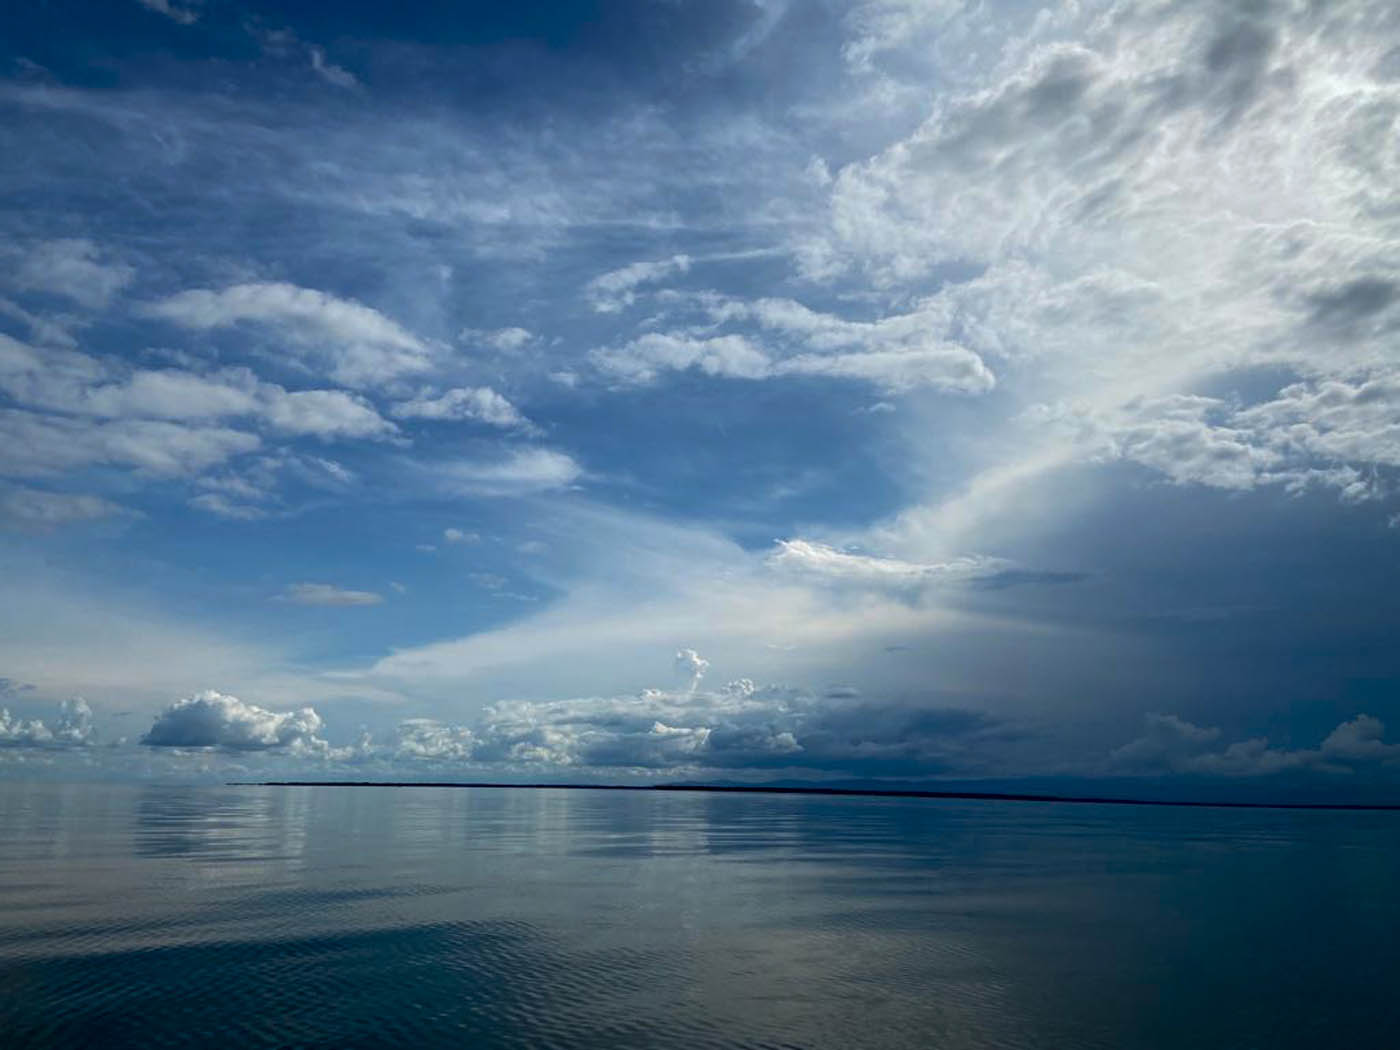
349	917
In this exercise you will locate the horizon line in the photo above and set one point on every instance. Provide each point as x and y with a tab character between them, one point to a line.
760	789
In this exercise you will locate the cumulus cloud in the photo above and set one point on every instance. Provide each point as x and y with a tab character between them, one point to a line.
359	345
213	720
473	404
615	290
451	535
327	594
426	738
1173	745
71	728
691	666
740	727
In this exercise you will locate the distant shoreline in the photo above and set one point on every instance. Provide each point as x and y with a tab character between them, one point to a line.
759	789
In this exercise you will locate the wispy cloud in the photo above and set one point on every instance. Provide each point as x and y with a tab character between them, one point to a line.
327	594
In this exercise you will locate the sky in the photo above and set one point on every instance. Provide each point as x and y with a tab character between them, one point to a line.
904	390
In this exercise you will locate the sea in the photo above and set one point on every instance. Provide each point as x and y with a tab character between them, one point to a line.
162	916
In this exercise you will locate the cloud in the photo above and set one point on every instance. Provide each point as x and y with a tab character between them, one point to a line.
79	384
251	491
1325	432
327	594
691	666
33	445
819	563
615	290
184	15
42	509
330	72
947	367
506	340
459	536
1123	186
828	563
646	357
896	354
474	404
1359	740
427	739
519	472
74	269
1173	745
739	728
326	414
213	720
359	345
72	728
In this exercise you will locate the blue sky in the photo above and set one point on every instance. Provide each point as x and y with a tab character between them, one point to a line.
727	389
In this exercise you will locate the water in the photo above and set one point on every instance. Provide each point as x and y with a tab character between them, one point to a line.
248	917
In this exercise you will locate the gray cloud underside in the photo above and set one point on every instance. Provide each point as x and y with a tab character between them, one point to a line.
1173	745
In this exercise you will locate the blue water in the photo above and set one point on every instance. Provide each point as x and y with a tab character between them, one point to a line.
339	917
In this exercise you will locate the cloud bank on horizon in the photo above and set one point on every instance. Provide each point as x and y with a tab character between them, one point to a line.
1021	385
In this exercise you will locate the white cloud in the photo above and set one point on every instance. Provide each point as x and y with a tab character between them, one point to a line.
74	269
47	331
358	344
72	728
646	357
520	471
326	414
944	367
213	720
691	666
475	404
42	509
79	384
327	594
507	340
896	354
821	564
739	727
459	536
34	445
615	290
1155	199
427	739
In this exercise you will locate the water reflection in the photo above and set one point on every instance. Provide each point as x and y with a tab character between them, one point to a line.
244	917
